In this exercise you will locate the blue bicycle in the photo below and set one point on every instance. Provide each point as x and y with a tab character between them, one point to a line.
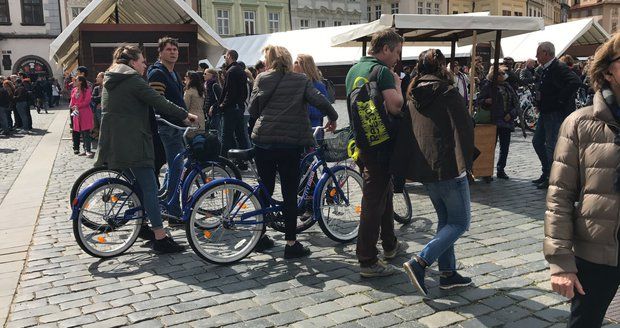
233	213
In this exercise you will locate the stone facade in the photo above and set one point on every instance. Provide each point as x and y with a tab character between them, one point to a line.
241	17
323	13
607	12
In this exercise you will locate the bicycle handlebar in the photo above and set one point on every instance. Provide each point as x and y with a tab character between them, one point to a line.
186	129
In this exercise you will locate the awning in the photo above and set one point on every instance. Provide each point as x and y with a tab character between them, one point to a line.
64	49
417	29
581	32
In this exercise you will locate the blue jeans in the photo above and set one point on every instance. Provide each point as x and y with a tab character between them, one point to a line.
216	124
24	110
452	204
172	139
545	138
147	183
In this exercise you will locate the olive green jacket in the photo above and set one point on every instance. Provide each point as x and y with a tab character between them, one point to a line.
126	138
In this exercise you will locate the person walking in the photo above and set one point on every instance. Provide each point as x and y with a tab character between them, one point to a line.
82	117
583	201
556	94
194	97
232	104
125	141
435	147
278	103
377	212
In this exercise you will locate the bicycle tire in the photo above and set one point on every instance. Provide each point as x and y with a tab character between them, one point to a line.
209	172
326	195
204	241
403	211
302	225
230	167
102	234
78	184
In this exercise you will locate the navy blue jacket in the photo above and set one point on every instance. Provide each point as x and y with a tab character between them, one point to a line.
160	79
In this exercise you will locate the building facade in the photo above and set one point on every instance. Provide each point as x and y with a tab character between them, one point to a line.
375	8
242	17
323	13
607	12
495	7
27	27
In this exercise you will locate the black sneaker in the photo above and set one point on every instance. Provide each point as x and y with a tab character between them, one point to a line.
502	175
539	180
455	280
146	233
167	245
543	185
264	243
296	251
416	274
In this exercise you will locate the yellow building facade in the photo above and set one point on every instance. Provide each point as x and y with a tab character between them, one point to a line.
246	17
548	9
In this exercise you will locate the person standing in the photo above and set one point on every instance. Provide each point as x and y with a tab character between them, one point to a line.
377	213
583	201
435	147
55	93
461	81
164	79
528	74
95	104
5	103
82	116
21	105
232	104
194	97
557	93
305	64
213	92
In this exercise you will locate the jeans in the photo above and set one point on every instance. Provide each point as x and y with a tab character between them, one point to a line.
234	132
147	184
216	124
172	139
503	134
23	110
545	137
86	139
600	282
377	215
452	204
4	121
286	163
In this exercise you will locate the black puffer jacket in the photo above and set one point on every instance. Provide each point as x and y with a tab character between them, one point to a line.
437	143
282	118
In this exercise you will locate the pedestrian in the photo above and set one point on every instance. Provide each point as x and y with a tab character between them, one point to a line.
164	79
5	103
304	64
583	201
503	113
259	67
10	89
82	117
556	95
528	75
213	93
232	104
194	97
376	217
282	130
95	105
513	78
56	90
461	81
435	147
21	105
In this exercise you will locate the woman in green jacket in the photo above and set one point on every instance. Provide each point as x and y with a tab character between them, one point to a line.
126	141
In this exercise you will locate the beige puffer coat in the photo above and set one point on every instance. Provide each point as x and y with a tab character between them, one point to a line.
583	209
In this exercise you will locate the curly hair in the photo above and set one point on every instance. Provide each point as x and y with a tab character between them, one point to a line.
602	60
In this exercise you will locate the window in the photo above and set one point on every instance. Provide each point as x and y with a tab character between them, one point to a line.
394	8
222	21
5	17
369	13
304	23
75	11
454	12
437	11
320	23
428	8
614	27
378	12
518	13
337	23
274	22
249	22
420	7
32	12
530	12
506	13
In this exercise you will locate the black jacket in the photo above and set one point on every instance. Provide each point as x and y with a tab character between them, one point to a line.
5	98
235	89
558	87
160	79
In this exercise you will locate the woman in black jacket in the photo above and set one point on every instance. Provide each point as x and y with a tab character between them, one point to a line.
213	93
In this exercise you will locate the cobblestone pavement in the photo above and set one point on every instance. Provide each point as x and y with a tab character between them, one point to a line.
63	287
16	150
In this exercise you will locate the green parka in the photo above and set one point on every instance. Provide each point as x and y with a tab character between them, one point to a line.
125	138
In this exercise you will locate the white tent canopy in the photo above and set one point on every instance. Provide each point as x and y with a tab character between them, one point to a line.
441	28
64	49
580	32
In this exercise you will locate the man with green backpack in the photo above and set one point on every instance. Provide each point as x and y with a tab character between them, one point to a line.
373	96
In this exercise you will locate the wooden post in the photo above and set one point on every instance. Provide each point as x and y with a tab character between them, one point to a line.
364	48
472	73
452	50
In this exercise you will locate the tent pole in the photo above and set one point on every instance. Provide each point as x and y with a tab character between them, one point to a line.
364	48
498	48
453	50
472	73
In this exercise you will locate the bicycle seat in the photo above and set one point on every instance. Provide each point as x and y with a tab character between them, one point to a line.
241	154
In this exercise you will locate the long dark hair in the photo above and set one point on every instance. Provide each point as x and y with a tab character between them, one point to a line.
82	83
195	81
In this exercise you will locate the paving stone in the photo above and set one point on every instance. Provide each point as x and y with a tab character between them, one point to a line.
217	321
133	299
553	314
510	314
110	313
414	312
321	309
382	320
113	322
230	307
498	302
56	316
528	322
149	304
77	321
286	318
148	314
35	312
256	312
441	319
348	314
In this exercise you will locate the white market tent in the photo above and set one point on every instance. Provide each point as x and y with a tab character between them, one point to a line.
65	48
579	32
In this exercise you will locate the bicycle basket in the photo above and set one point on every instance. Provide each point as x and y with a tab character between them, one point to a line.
205	147
335	147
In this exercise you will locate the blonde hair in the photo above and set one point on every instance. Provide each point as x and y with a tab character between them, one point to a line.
306	62
278	58
602	60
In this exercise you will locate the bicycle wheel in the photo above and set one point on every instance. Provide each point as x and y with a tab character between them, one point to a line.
230	167
109	219
305	216
210	172
403	211
339	216
91	175
223	236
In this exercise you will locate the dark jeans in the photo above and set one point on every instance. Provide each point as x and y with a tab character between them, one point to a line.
147	183
286	163
86	139
503	134
24	114
4	121
600	282
545	138
235	133
377	216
